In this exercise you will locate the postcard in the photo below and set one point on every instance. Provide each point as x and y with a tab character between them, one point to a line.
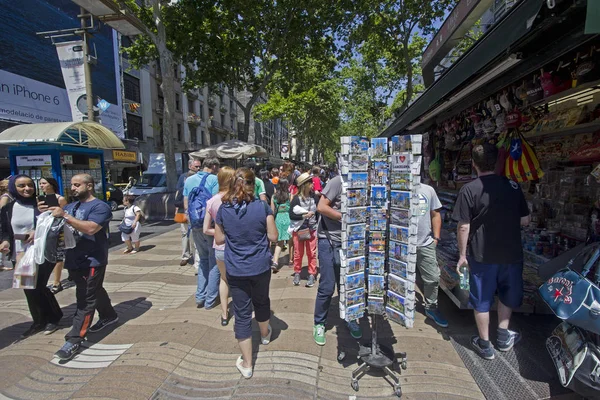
377	241
401	144
356	232
355	248
354	297
355	281
378	196
358	179
356	215
398	251
376	285
379	148
359	145
399	233
375	305
395	301
401	180
356	265
356	197
401	162
397	284
400	199
379	173
376	263
398	268
378	219
395	316
355	312
400	217
358	162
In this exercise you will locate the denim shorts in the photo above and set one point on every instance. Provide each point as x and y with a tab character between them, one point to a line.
486	279
220	255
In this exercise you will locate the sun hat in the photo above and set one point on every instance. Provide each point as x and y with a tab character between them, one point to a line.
303	178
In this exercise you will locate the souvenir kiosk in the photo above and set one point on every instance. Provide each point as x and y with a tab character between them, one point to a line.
60	150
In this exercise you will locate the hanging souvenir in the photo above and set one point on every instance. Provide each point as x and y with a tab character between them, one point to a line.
522	164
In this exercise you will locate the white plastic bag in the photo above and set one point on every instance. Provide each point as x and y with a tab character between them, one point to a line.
44	223
26	265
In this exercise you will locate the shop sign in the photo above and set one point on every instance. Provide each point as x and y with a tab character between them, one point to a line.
34	161
94	163
285	149
66	159
122	155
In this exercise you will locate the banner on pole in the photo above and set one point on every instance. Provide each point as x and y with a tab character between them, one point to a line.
70	55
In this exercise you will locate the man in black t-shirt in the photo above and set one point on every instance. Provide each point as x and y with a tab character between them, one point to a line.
490	212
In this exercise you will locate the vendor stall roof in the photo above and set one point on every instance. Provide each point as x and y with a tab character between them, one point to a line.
85	134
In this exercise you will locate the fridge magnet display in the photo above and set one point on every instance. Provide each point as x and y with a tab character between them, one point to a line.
401	144
358	179
355	248
399	251
379	148
376	263
378	196
397	284
358	162
415	165
356	265
395	301
398	268
375	305
355	312
355	297
399	233
376	285
401	180
356	232
400	217
356	197
401	162
378	219
379	173
395	316
377	241
356	215
359	145
355	281
400	199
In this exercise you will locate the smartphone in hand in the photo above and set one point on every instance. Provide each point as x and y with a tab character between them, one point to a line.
51	201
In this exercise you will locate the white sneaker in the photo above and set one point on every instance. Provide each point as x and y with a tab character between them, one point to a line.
246	372
267	339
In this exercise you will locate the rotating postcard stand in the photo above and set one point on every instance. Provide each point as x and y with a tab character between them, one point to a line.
365	199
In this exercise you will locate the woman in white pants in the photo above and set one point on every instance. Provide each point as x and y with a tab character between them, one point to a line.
132	219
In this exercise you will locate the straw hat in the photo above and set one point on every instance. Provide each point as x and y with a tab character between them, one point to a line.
302	179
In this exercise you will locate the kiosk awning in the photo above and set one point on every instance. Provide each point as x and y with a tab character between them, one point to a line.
84	134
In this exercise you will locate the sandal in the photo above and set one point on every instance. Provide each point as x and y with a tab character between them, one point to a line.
126	251
133	251
274	267
56	288
225	321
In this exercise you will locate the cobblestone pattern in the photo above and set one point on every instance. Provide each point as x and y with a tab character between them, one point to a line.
164	347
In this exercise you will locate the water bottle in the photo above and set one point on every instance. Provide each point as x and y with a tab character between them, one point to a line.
464	277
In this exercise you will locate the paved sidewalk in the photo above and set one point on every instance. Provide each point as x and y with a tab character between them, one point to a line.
164	347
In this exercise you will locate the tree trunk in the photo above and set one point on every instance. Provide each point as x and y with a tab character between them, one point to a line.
409	75
168	89
247	114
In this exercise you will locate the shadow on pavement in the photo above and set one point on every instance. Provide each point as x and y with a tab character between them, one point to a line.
277	325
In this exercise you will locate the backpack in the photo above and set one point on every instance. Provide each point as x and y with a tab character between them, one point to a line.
197	204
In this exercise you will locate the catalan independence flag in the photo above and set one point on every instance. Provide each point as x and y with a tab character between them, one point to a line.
522	164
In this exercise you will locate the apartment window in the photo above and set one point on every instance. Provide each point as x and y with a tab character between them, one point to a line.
131	85
230	105
191	107
211	112
159	138
202	137
134	127
232	125
193	133
221	98
213	139
176	71
179	133
201	110
177	102
159	90
125	42
223	120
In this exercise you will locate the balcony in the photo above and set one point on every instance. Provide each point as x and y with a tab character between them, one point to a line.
215	124
159	107
192	94
212	102
223	109
194	119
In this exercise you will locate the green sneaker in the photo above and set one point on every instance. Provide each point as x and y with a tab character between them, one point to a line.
319	334
355	330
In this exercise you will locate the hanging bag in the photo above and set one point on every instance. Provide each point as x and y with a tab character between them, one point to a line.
572	296
522	164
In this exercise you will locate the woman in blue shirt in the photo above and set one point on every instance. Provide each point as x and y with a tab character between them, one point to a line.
246	225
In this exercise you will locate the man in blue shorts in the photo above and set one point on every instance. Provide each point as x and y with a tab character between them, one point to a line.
490	212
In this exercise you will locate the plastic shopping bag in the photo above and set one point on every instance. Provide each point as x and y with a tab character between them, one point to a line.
24	276
44	223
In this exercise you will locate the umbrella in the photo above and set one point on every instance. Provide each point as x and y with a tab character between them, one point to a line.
231	149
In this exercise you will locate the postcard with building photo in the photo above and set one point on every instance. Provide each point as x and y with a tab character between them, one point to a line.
356	265
399	233
356	232
378	220
400	199
401	162
358	162
359	145
356	248
398	268
397	284
379	173
377	263
375	305
355	281
401	144
398	251
394	315
400	217
356	215
356	197
378	196
401	180
376	285
354	297
355	312
377	241
395	301
379	148
358	179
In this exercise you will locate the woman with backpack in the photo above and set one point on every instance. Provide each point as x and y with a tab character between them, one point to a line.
131	227
303	214
246	226
280	204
